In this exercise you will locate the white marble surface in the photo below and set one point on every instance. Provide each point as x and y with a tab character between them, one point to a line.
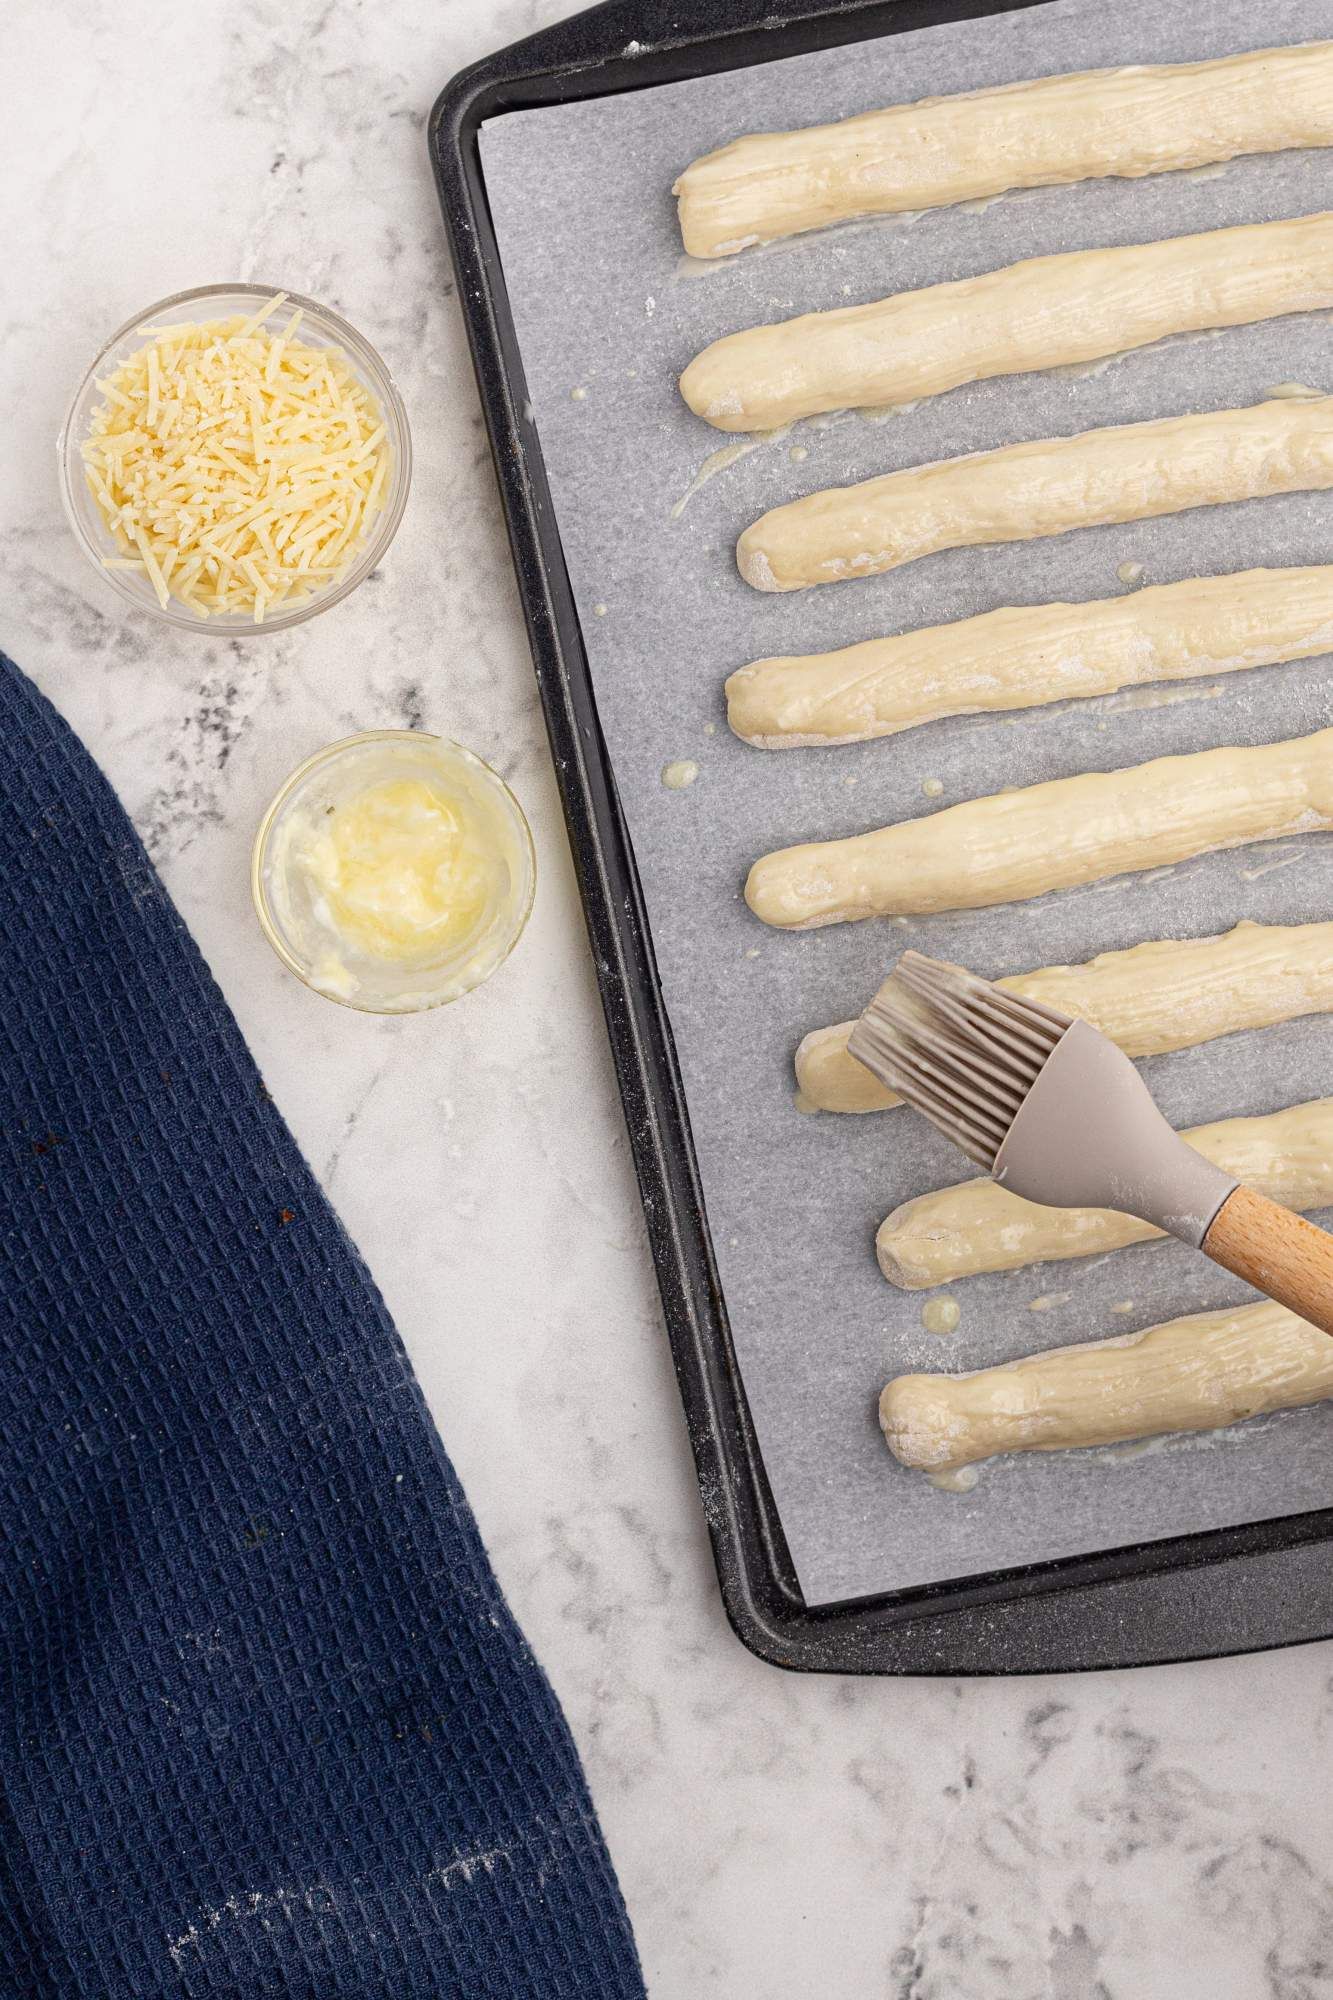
1164	1833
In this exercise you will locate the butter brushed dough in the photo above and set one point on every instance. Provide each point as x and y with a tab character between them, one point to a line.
1046	312
980	1226
1168	994
1021	658
1020	492
1192	1374
1127	122
1014	845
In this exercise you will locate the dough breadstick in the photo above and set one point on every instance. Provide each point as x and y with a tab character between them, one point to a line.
1127	122
1169	994
980	1226
1015	845
1046	312
1193	1374
1021	658
1128	472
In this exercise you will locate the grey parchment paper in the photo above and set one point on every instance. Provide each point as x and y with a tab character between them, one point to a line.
608	314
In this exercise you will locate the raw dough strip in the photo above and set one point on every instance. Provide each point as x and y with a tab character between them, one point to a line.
1168	994
1046	312
980	1226
1022	658
1128	472
1192	1374
1127	122
1014	845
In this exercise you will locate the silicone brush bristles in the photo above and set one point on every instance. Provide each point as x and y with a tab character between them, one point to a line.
956	1048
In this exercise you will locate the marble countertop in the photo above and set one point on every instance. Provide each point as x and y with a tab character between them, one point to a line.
1095	1838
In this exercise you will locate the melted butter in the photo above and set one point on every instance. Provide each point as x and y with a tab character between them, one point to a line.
397	872
727	454
961	1480
883	413
401	876
1165	697
1283	858
941	1316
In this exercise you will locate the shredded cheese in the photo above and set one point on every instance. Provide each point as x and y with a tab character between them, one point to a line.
238	470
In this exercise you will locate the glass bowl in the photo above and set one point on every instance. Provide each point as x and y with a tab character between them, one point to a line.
290	914
322	328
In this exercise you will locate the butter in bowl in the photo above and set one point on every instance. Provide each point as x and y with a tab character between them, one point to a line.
393	871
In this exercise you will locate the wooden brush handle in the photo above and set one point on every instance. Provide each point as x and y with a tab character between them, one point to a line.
1276	1252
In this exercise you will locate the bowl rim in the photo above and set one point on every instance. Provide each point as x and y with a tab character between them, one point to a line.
393	410
328	754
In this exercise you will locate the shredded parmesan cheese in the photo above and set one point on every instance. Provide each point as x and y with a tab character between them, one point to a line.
239	470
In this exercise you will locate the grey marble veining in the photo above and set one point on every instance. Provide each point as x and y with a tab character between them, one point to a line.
1161	1834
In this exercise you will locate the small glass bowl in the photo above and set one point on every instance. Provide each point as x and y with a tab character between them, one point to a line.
321	327
331	775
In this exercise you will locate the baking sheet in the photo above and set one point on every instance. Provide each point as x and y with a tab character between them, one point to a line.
608	312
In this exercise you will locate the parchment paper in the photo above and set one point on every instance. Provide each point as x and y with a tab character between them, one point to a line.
608	314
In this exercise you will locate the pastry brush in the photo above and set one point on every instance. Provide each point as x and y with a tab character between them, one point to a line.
1054	1111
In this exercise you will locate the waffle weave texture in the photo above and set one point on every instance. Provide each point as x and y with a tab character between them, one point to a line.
267	1726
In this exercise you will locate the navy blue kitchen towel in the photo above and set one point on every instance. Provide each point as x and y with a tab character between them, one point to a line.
267	1726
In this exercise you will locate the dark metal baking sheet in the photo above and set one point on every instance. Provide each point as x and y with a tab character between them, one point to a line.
996	1623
